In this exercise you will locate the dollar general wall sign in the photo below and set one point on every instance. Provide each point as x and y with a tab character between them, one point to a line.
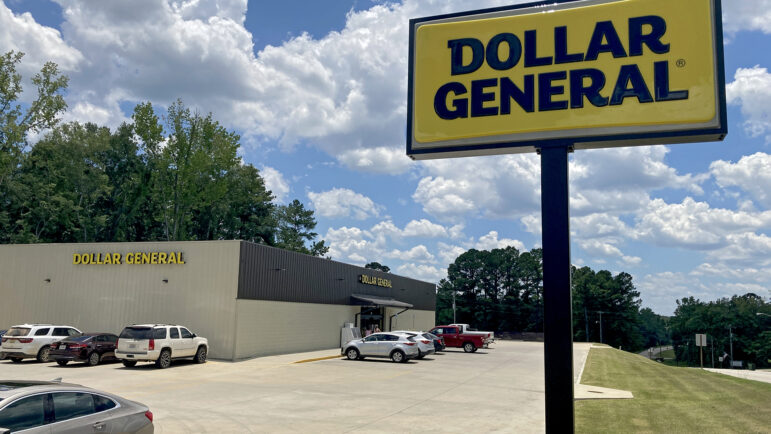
596	73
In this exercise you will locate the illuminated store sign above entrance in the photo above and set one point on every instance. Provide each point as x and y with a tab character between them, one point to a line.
149	258
377	281
597	73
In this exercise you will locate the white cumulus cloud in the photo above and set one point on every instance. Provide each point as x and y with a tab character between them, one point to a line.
751	89
342	202
275	182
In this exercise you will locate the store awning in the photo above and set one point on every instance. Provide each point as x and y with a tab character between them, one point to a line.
374	300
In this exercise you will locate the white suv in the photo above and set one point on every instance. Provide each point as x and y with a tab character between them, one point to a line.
33	340
159	343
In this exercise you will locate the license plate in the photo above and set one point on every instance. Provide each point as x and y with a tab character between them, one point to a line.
62	347
132	346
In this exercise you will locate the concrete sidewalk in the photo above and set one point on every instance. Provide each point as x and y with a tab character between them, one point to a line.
585	391
764	376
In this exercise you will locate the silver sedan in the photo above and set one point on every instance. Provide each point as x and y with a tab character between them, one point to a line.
397	347
52	406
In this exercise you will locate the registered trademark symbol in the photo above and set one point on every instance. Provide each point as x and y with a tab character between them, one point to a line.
680	63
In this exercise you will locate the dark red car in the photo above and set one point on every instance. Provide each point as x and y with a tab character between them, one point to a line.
91	348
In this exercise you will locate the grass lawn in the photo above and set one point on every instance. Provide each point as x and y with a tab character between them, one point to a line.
669	399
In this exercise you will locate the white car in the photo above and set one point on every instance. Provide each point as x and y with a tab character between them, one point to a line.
27	341
159	343
425	345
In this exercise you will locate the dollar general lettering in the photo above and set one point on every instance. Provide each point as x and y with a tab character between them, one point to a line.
600	72
584	83
132	258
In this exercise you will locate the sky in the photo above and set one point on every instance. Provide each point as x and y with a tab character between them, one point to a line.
318	90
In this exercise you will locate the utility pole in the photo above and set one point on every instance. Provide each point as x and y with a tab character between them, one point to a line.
713	350
731	342
601	327
586	323
454	321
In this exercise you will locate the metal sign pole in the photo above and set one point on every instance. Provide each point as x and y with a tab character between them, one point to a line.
558	316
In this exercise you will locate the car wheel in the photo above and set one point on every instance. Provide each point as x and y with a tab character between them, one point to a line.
352	354
94	359
398	356
200	355
468	347
62	362
129	363
44	355
164	360
15	359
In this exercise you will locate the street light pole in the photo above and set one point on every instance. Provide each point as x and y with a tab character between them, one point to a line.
601	327
731	343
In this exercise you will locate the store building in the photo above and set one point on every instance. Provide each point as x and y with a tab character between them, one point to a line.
248	299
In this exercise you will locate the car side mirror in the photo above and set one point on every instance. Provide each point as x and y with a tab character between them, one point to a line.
195	335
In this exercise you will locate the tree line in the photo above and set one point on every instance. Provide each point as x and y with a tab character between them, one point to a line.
731	325
502	290
169	177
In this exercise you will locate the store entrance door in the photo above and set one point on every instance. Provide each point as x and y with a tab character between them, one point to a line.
371	317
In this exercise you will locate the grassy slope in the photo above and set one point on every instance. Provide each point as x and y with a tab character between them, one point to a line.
669	399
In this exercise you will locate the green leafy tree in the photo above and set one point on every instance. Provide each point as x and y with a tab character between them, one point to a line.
295	230
16	122
378	266
65	186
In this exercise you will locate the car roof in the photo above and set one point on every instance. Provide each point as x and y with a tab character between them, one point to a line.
10	388
154	325
42	325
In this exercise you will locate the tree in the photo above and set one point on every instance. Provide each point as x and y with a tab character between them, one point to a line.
295	229
16	121
65	187
378	266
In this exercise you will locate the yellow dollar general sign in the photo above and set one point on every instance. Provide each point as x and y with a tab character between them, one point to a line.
594	73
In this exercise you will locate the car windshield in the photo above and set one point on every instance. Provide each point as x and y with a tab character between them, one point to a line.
78	339
18	331
136	333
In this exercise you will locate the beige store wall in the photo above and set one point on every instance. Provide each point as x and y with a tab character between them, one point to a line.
417	320
200	294
274	327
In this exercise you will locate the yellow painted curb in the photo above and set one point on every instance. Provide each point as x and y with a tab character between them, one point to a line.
317	359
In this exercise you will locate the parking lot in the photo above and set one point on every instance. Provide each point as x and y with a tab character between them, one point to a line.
496	390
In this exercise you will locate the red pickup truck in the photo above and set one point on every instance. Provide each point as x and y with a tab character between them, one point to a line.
453	337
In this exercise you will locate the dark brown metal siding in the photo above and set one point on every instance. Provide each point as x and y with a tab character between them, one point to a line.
268	273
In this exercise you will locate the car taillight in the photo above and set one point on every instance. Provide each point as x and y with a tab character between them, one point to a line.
151	346
426	342
116	342
5	339
409	344
149	415
77	345
25	341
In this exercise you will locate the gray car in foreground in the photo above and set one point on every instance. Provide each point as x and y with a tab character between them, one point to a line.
397	347
54	407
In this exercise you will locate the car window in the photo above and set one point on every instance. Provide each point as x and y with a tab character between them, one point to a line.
186	333
112	339
103	404
174	333
437	331
159	333
136	333
61	331
42	332
101	338
390	338
73	332
69	405
371	338
23	414
17	331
